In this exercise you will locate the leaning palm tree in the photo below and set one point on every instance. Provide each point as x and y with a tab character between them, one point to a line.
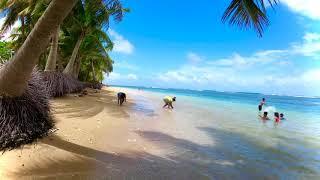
24	107
249	14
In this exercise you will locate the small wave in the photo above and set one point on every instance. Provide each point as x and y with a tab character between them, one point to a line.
270	109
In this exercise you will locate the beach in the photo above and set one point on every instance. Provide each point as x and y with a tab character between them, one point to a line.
96	139
198	139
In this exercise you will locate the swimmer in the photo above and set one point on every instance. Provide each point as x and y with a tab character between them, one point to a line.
282	116
276	117
262	103
121	98
265	116
168	101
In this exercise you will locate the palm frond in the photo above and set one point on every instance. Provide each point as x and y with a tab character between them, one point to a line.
248	14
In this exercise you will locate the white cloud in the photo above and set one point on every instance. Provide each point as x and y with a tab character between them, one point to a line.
132	77
194	58
125	65
310	46
113	76
229	79
307	8
260	58
311	75
117	76
260	72
121	45
309	37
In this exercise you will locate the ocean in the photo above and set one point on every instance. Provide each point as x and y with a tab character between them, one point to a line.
221	135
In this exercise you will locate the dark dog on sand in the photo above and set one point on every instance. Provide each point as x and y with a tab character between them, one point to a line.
121	98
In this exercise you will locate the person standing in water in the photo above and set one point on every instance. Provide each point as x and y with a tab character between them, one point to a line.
262	103
276	117
265	116
168	100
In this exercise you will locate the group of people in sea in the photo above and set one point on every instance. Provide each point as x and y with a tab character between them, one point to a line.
277	116
168	100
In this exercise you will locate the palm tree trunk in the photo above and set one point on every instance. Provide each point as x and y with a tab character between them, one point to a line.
93	72
15	74
52	59
59	60
22	19
69	69
77	67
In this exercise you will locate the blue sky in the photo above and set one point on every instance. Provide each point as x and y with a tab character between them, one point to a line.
171	44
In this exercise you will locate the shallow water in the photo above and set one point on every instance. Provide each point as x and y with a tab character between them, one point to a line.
219	134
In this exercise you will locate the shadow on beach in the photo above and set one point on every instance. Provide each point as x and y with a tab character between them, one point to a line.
234	156
185	160
94	164
73	106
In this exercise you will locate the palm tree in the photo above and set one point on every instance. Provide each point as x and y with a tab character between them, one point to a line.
5	52
95	62
248	14
25	110
52	58
89	17
25	11
14	10
15	74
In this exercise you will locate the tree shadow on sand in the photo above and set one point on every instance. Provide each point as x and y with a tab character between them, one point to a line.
95	103
232	156
94	164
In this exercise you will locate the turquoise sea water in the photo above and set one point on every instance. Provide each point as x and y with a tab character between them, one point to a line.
247	146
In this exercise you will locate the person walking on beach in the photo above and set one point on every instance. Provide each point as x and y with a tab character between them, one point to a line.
121	98
168	100
262	103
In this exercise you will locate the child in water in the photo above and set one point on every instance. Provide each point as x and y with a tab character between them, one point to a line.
282	116
276	117
263	102
265	116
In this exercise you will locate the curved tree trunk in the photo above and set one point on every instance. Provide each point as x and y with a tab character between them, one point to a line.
52	59
15	74
22	19
70	66
76	68
93	72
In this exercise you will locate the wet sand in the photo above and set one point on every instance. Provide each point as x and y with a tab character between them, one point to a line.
97	139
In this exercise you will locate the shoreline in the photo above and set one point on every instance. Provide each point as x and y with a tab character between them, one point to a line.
96	139
81	121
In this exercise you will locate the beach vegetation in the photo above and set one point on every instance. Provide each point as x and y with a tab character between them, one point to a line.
5	52
25	110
